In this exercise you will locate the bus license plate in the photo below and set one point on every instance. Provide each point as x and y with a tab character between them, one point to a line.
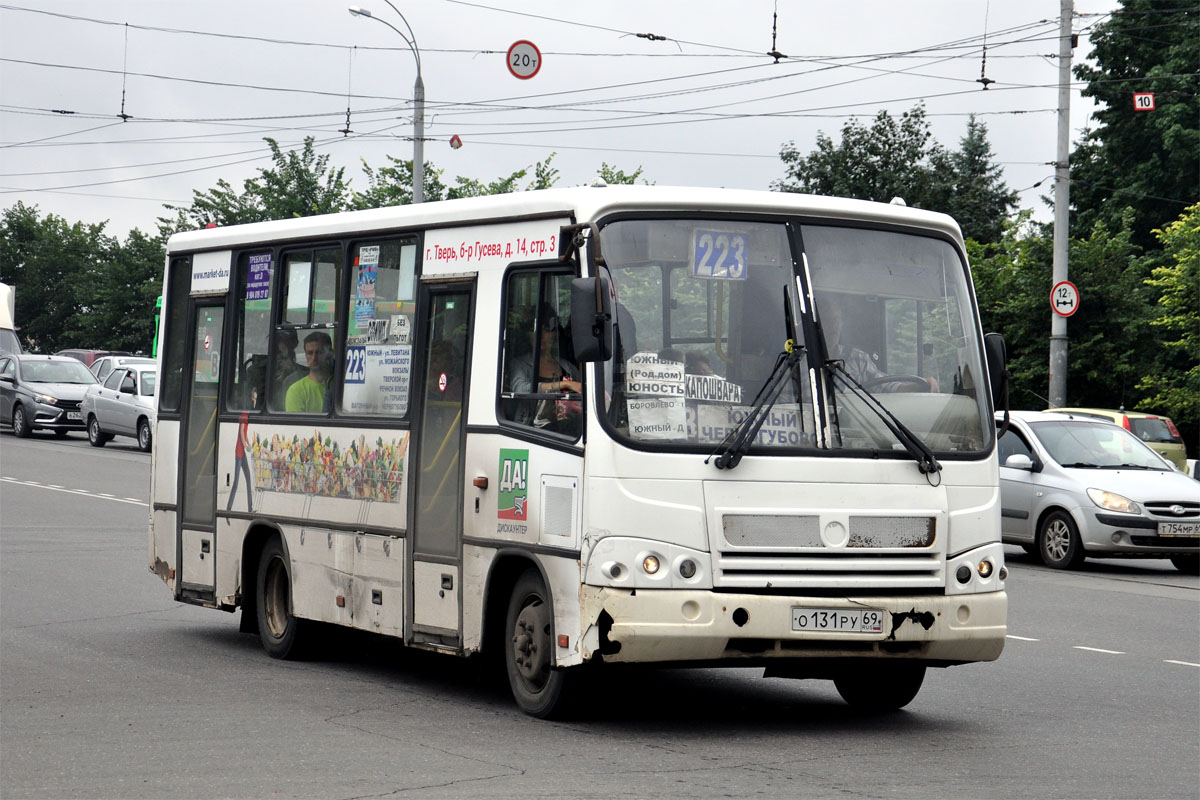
75	415
843	620
1179	529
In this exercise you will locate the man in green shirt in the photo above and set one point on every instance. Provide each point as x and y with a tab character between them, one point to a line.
307	395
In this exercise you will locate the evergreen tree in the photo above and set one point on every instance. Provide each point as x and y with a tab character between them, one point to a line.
1144	160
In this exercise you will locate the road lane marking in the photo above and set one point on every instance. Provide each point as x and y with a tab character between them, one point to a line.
1098	650
84	492
1021	638
1181	663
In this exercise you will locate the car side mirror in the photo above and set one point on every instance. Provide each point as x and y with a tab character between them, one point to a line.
591	319
128	390
1019	461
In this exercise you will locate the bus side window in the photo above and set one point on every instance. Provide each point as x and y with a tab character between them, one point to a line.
306	382
380	319
252	338
542	383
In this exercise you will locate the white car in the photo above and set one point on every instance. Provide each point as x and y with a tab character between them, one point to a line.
1074	487
122	405
102	366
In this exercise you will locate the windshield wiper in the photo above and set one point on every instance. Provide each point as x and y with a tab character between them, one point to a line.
926	462
1127	466
735	444
1081	465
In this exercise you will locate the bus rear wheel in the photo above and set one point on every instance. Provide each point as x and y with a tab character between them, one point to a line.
282	634
537	686
880	686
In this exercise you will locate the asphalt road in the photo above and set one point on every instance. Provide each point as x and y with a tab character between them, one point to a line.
109	689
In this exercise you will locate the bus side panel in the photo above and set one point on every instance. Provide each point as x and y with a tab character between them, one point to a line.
163	560
531	505
310	472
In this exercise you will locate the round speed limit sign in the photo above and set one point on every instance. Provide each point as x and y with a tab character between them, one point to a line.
524	59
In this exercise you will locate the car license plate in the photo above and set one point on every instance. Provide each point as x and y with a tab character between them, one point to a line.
843	620
1179	528
75	415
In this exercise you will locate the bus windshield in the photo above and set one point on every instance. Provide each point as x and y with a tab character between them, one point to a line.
705	307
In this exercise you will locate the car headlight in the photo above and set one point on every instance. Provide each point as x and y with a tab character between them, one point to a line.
1113	501
47	399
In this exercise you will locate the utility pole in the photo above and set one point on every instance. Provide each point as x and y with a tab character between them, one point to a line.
1062	203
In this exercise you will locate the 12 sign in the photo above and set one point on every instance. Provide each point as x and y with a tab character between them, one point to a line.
1064	298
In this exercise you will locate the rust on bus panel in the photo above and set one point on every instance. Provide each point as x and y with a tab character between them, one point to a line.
922	618
162	569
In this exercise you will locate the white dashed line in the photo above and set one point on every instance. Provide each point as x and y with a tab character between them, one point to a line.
1021	638
85	493
1180	663
1098	650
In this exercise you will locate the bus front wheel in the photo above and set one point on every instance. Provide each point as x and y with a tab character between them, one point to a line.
537	686
282	634
880	686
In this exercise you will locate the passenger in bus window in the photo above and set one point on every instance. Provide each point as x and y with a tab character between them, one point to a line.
287	371
307	395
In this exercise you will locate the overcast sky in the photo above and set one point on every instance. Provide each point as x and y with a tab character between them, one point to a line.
203	81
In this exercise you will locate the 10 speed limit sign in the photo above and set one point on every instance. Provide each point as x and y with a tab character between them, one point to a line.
1064	298
524	59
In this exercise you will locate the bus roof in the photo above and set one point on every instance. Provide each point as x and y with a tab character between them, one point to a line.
583	203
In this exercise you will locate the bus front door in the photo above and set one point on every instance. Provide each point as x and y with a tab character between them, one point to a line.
440	438
197	546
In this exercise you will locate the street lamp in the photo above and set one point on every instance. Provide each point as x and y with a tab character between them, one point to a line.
418	193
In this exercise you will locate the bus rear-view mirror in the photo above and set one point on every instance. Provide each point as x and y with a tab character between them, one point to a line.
591	319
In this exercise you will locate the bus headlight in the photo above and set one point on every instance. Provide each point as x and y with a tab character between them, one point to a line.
687	568
650	564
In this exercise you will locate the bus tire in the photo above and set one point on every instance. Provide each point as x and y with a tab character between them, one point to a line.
282	634
537	686
881	686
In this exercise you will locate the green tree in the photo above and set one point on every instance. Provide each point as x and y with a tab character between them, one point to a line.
1144	160
298	184
1173	386
1111	341
612	176
53	265
899	158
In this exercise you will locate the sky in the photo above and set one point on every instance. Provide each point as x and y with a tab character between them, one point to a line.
111	109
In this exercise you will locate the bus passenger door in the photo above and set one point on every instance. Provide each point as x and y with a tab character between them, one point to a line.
197	546
439	436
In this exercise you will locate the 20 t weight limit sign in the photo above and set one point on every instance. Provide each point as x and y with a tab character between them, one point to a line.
524	59
1064	298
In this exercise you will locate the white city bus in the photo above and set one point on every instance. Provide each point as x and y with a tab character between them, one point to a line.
601	424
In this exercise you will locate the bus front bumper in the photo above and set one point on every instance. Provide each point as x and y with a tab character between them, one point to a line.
689	625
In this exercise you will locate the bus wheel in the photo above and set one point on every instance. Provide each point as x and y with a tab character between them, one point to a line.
282	634
881	686
537	687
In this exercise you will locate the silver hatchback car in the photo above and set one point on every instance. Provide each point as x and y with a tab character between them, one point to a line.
122	405
1073	488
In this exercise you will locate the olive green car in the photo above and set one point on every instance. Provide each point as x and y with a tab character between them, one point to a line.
1158	432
